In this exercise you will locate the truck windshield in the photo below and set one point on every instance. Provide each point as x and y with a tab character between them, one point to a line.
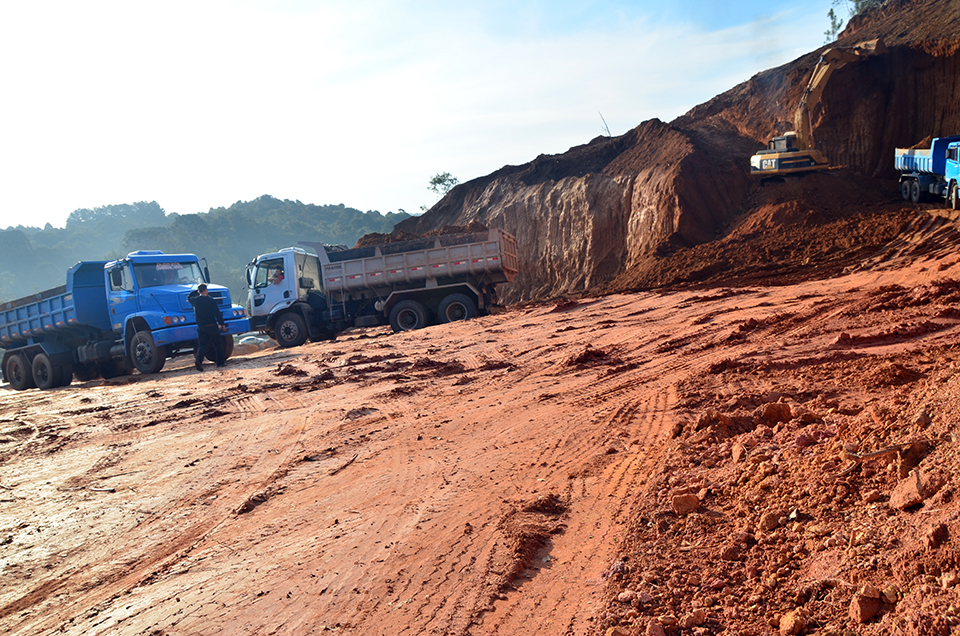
269	272
171	273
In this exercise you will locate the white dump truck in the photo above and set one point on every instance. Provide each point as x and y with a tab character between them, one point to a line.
295	295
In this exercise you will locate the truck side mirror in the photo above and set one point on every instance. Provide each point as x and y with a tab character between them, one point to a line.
116	278
249	282
306	283
206	273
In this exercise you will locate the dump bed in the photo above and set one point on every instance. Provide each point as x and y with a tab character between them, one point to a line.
78	305
930	160
489	256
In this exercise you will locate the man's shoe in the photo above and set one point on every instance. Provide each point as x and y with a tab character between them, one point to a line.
198	365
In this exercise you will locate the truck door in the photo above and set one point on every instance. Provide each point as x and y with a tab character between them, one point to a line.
121	296
272	285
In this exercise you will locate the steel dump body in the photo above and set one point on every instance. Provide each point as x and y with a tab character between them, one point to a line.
489	255
930	160
77	307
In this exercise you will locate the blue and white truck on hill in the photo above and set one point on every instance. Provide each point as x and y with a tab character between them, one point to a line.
110	317
930	173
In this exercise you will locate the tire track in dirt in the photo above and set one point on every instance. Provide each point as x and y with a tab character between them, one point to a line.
159	556
588	543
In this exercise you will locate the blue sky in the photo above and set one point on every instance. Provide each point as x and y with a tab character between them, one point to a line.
198	104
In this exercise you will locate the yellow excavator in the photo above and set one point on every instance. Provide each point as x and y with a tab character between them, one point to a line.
794	151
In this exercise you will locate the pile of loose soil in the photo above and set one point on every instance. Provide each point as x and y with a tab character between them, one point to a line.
802	228
376	238
807	496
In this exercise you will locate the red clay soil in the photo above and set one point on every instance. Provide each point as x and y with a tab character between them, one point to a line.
805	227
718	460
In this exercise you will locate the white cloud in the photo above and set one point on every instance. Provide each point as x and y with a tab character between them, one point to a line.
200	104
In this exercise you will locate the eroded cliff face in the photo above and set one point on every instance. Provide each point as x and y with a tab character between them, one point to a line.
582	217
596	212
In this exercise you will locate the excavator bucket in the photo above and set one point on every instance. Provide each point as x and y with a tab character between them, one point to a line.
872	47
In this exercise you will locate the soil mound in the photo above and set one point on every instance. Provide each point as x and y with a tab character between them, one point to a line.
614	214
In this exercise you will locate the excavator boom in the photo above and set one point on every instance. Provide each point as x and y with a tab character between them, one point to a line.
795	151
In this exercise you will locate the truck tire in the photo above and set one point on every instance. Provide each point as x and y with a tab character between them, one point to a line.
905	189
66	374
46	375
290	330
915	194
954	196
456	307
407	315
18	373
227	350
85	372
111	369
146	355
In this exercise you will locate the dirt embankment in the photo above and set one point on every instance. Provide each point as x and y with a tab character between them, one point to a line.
609	208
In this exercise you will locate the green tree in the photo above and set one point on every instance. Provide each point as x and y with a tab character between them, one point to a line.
442	183
855	7
835	24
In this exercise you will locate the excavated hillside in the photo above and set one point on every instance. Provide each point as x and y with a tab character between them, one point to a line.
618	212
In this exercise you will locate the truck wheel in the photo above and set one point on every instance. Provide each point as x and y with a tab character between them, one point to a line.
66	374
211	355
407	315
146	355
111	369
915	191
954	196
85	372
18	373
290	330
456	307
46	375
905	190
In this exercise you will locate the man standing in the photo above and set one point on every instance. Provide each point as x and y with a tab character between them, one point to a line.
209	325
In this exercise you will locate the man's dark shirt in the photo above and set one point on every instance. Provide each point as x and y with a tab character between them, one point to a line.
207	311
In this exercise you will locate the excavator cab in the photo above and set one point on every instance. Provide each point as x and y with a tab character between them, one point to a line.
784	156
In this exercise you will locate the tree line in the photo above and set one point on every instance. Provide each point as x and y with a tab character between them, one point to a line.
34	259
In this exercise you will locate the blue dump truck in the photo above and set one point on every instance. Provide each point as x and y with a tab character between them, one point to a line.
110	318
930	173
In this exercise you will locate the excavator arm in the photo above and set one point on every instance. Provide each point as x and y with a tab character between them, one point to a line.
830	61
795	151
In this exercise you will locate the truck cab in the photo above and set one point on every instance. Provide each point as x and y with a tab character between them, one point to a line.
148	305
285	293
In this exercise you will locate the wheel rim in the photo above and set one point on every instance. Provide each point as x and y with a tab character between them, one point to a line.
16	371
143	353
408	319
289	331
456	311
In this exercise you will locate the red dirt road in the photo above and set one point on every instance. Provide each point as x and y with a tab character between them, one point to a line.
472	478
